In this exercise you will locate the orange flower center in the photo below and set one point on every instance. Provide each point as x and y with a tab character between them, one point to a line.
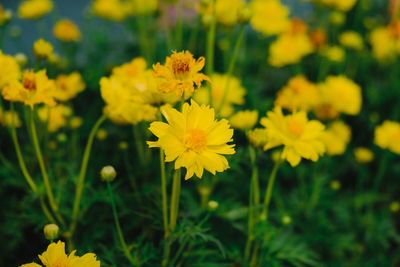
62	82
295	127
29	81
196	140
180	65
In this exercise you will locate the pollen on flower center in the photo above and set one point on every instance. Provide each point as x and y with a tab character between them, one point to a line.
196	140
29	81
180	65
295	127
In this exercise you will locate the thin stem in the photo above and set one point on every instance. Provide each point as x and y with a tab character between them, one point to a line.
118	226
232	65
210	48
137	135
268	193
82	174
46	211
164	194
176	188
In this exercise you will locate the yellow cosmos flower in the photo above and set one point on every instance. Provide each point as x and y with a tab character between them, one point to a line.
383	44
180	73
336	137
244	120
67	31
9	70
352	40
333	52
9	118
235	95
363	154
194	139
298	94
300	137
387	136
258	137
140	7
269	17
34	9
339	95
55	117
55	256
289	49
35	88
115	10
68	86
42	49
227	11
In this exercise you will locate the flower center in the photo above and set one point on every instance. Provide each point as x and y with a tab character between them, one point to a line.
29	81
62	83
180	65
196	140
295	127
60	263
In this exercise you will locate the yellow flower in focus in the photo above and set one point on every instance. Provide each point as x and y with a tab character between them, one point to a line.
55	256
333	52
258	137
235	95
383	44
269	17
194	139
351	40
336	137
115	10
35	88
9	70
67	31
42	49
387	136
227	11
55	117
300	137
298	94
244	120
363	154
34	9
9	118
68	86
339	95
140	7
180	73
289	49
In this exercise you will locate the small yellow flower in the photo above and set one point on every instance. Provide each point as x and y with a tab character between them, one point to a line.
9	71
194	139
21	59
234	96
335	185
35	88
342	5
258	137
180	73
383	44
67	31
75	122
387	136
351	40
68	86
300	137
244	120
140	7
336	137
269	17
227	11
55	256
363	154
394	206
101	134
298	94
337	18
55	117
115	10
34	9
9	118
42	49
334	53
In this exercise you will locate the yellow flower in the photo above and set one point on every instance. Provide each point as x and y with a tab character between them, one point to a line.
9	117
244	120
34	9
300	137
339	95
227	11
269	17
336	137
194	139
35	88
337	18
9	70
258	137
75	122
101	134
383	44
387	136
68	86
342	5
351	40
67	31
235	95
394	206
55	117
298	94
289	48
115	10
42	49
363	154
140	7
55	256
333	52
180	73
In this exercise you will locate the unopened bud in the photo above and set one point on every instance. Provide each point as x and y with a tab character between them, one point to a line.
244	14
212	205
21	59
108	173
286	220
51	231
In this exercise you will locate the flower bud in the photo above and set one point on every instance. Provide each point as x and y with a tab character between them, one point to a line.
206	20
101	134
51	231
335	185
21	59
286	220
212	205
395	206
62	138
108	173
42	49
75	122
123	145
244	14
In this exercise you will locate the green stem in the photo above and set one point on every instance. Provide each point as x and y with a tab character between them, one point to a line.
210	48
232	65
118	226
137	135
82	174
268	193
383	164
46	211
164	194
176	188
